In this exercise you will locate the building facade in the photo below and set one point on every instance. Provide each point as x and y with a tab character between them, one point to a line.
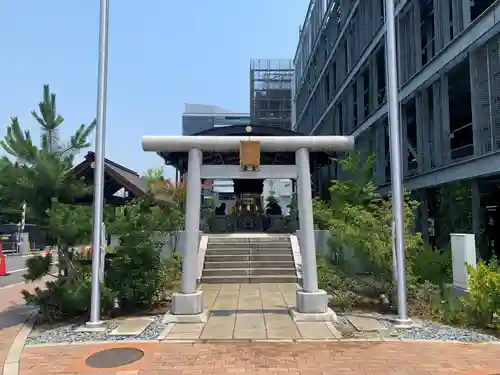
199	117
271	92
282	190
449	90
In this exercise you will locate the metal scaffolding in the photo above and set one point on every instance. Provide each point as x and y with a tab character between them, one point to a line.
271	92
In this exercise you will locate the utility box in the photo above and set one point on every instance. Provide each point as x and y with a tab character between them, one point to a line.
463	251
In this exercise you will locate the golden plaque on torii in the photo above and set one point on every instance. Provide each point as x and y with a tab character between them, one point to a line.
250	155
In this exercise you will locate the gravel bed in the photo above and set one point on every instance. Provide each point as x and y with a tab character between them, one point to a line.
342	322
65	334
436	331
426	331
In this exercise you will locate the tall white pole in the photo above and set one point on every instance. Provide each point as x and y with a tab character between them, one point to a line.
395	150
95	303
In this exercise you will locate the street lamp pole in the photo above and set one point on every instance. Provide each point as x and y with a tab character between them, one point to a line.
395	153
97	218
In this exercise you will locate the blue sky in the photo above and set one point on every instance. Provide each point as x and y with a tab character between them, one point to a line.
162	54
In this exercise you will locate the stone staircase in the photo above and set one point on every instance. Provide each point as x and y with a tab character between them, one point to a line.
249	260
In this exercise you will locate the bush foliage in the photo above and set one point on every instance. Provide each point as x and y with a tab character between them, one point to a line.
360	222
136	277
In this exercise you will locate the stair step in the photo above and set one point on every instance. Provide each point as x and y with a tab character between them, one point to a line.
249	272
287	247
240	241
250	264
248	280
248	244
275	238
248	248
248	251
248	257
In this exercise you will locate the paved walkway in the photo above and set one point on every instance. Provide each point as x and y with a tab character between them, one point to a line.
227	356
253	312
339	358
13	313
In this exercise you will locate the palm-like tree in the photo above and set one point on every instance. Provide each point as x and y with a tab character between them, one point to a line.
40	174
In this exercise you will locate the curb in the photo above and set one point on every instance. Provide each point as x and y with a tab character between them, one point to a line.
11	365
162	340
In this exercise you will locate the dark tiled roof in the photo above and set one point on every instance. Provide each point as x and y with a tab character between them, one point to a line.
127	178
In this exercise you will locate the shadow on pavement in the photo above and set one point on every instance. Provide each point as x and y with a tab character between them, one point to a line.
15	315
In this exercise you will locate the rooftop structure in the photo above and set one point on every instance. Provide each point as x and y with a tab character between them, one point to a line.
200	117
271	92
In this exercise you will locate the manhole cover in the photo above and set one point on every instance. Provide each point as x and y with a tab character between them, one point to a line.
116	357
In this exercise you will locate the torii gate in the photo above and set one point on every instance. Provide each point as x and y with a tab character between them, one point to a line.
312	303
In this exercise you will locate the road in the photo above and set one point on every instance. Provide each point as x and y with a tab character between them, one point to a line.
16	267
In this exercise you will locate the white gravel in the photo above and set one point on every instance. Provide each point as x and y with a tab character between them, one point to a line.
442	332
426	330
66	334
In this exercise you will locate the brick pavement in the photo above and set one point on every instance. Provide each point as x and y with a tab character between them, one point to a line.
266	358
13	313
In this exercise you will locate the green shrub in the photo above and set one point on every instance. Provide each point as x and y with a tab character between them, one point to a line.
434	266
134	273
37	267
329	276
170	277
482	303
359	219
424	297
451	310
480	307
67	298
332	280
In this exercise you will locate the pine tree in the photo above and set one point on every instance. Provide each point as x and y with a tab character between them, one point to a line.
41	174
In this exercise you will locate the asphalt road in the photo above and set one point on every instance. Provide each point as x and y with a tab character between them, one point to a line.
16	267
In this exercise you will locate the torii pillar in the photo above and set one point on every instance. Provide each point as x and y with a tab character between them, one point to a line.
312	303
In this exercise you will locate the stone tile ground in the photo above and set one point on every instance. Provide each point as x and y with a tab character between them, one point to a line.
254	312
250	312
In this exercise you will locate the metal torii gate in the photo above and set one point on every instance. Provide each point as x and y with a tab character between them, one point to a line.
312	303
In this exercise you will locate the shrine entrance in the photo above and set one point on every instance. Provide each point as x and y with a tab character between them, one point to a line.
249	202
247	155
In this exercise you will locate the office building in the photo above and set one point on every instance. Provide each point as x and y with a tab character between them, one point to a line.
271	92
199	117
449	90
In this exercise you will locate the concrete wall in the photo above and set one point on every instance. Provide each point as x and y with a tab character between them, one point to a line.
345	258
